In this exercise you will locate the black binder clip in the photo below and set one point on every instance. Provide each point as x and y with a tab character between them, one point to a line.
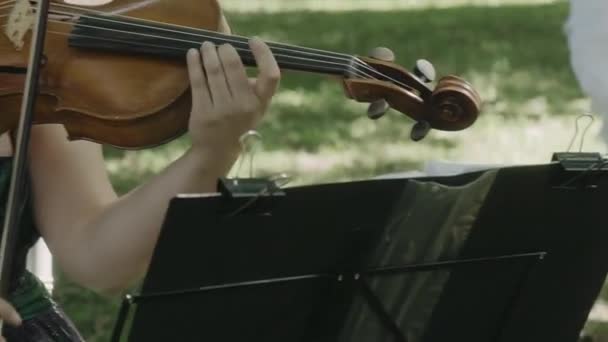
579	161
588	166
260	194
249	187
251	196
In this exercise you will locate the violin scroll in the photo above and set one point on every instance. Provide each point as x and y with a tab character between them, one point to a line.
451	106
454	104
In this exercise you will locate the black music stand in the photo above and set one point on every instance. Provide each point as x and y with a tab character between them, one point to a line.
294	265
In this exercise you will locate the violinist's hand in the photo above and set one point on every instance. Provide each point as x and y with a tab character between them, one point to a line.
8	314
225	102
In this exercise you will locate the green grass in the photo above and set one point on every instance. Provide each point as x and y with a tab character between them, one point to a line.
515	56
345	5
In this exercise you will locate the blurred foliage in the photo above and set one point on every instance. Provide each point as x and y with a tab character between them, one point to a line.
376	5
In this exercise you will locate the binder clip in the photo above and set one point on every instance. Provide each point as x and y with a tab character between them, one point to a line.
589	166
249	187
261	191
579	161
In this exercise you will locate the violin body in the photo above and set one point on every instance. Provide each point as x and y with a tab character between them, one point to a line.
116	73
129	101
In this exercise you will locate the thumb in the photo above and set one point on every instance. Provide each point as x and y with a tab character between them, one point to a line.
8	313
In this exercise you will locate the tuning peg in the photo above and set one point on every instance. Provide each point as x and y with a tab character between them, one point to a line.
377	109
383	54
424	70
420	130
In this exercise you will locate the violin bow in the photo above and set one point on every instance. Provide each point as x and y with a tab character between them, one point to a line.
10	232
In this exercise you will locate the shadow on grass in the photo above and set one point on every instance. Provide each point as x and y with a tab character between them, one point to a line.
521	48
515	56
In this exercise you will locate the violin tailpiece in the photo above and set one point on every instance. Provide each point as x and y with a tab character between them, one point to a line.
19	22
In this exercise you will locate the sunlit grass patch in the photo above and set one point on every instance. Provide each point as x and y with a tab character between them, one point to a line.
349	5
315	146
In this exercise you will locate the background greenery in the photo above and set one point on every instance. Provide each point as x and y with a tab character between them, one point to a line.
515	55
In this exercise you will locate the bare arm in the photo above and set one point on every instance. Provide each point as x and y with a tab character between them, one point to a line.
105	242
102	241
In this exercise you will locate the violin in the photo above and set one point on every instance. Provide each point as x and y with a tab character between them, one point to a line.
116	73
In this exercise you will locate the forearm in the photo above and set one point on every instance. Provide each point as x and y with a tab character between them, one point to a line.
121	237
104	242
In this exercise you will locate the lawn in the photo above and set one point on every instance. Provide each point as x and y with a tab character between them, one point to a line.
516	56
375	5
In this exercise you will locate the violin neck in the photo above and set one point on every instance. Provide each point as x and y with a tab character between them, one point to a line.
169	41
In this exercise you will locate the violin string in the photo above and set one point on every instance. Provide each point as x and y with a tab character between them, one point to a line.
324	68
228	38
209	34
176	29
327	66
349	65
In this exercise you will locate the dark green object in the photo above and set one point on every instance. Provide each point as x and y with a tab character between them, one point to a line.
43	319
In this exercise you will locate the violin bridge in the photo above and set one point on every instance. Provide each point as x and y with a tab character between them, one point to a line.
19	22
